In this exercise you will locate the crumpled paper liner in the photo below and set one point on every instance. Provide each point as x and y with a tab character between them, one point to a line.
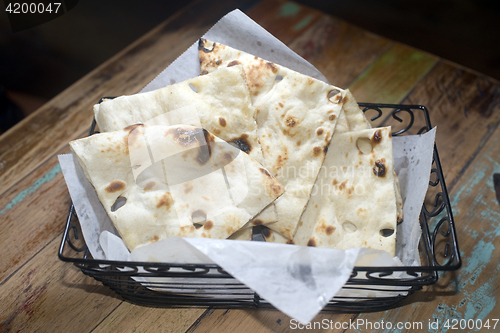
297	280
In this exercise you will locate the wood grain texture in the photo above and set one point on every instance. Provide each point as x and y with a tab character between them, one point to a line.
465	108
134	318
472	292
259	321
284	19
339	50
46	195
48	295
392	76
37	137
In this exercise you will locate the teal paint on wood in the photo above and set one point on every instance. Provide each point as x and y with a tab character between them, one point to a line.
481	302
478	258
289	9
39	182
303	23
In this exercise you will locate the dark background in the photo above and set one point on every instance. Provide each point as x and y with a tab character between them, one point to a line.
39	63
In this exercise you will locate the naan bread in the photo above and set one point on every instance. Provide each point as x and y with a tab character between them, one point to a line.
296	117
351	118
275	237
221	102
174	181
245	233
353	204
357	121
354	115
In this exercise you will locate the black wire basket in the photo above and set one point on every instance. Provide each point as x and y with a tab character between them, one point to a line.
368	288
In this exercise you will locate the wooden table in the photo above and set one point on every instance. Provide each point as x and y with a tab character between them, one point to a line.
40	293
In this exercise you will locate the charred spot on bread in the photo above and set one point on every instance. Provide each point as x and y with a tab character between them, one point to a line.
379	169
311	242
201	45
291	121
165	201
257	222
319	131
316	151
208	225
154	239
233	63
242	143
329	230
272	67
277	189
342	185
222	122
377	137
115	186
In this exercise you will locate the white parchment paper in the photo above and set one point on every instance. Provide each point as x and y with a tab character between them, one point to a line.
297	280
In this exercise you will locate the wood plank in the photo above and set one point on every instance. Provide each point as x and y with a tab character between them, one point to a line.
262	321
134	318
465	108
39	203
471	292
339	50
48	295
52	126
284	19
392	76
